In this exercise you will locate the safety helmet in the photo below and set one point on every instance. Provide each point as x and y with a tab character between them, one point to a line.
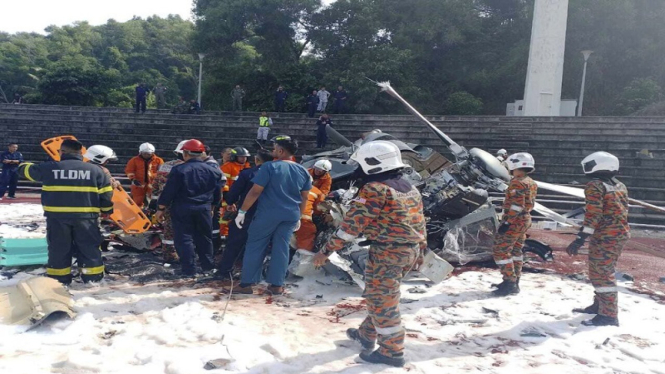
194	146
100	154
178	149
147	148
521	160
239	152
502	152
378	156
323	165
600	161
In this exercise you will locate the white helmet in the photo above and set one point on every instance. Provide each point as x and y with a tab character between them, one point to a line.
600	161
521	160
502	152
100	154
378	156
147	148
324	165
178	149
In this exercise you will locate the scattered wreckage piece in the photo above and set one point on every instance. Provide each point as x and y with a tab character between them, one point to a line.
33	300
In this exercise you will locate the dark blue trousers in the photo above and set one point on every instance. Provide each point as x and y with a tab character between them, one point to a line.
192	233
235	246
8	178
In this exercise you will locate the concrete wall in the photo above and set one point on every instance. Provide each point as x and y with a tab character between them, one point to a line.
557	143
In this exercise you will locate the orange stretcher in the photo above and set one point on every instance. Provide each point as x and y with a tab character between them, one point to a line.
126	213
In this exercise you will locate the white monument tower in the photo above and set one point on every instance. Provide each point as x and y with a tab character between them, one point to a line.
542	92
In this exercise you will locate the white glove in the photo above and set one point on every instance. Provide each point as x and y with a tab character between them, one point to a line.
297	226
240	218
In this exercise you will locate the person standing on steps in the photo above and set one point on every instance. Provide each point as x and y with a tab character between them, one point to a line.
321	134
280	99
389	213
323	99
606	222
340	100
312	103
10	159
160	95
141	95
281	189
264	128
517	205
237	95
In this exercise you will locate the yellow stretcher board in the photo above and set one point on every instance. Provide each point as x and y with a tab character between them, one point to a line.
126	213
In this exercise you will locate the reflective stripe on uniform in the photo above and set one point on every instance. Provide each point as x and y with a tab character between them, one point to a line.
588	230
93	271
154	197
306	217
77	189
234	178
73	209
313	194
344	236
106	209
520	258
215	231
606	289
59	272
168	242
388	330
25	172
516	208
503	262
227	175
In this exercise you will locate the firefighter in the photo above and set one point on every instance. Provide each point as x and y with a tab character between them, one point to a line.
501	155
306	235
169	253
606	222
141	171
74	193
321	175
192	191
517	205
235	244
209	159
100	155
231	170
389	213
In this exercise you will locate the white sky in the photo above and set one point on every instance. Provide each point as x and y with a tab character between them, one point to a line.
35	15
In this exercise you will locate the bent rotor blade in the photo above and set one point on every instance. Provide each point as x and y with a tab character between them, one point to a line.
457	149
578	192
552	215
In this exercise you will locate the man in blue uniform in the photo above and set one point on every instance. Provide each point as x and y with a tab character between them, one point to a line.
340	100
10	160
192	190
235	243
74	193
141	94
281	188
280	99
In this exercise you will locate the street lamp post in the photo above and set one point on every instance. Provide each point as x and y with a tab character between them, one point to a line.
201	56
586	55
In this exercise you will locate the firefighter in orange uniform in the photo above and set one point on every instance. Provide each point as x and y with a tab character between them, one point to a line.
306	235
231	170
141	171
321	176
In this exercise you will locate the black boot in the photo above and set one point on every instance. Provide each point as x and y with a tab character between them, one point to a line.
509	288
601	320
499	285
377	358
591	309
354	334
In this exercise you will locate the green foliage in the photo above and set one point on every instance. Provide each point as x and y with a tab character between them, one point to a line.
463	103
638	94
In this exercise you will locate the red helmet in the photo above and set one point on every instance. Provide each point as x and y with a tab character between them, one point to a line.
193	145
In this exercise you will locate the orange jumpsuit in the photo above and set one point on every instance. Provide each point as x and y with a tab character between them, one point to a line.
144	171
306	235
231	170
323	182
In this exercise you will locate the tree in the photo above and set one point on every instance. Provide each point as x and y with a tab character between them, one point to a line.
463	103
638	94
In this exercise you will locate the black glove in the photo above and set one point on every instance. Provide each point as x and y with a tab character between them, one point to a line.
136	183
575	246
504	227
